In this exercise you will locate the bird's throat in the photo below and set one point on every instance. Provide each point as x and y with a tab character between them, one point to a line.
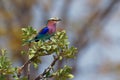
52	29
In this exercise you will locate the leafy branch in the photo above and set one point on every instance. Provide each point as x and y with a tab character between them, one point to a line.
57	46
5	65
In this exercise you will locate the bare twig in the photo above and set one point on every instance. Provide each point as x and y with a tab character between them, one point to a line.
20	69
28	71
28	66
48	69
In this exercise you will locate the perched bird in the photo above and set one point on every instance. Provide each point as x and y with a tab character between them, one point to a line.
47	31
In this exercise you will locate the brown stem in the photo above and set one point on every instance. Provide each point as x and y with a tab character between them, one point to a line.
20	69
26	64
28	71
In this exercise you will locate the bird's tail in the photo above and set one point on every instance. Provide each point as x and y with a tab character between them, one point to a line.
28	41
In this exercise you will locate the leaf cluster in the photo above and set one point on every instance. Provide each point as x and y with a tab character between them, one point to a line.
63	73
5	65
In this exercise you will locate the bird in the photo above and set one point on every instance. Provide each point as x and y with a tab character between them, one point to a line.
48	31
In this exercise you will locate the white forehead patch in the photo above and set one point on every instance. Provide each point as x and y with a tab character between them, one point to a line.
54	18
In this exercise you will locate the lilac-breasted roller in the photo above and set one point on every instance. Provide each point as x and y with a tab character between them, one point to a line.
47	31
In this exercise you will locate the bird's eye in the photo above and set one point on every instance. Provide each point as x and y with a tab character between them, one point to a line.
53	19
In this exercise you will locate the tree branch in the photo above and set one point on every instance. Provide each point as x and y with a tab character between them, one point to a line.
20	69
27	64
48	69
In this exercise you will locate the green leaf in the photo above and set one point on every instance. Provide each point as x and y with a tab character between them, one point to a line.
60	58
63	74
27	34
35	65
70	76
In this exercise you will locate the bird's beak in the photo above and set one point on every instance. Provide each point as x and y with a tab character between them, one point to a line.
59	20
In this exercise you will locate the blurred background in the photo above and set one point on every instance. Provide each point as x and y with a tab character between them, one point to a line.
92	26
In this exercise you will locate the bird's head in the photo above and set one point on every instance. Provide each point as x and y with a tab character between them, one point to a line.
53	21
